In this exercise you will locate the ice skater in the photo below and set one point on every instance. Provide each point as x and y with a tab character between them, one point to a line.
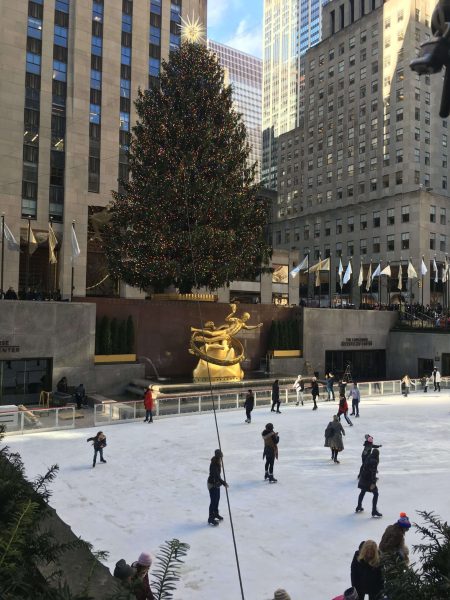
368	482
214	483
355	395
392	544
148	404
368	446
333	438
330	390
99	442
248	405
271	439
343	410
275	397
314	391
141	583
366	572
299	387
406	385
436	379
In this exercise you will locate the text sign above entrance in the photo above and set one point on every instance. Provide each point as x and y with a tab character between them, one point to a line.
6	348
356	341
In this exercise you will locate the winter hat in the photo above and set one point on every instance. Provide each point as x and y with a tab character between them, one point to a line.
218	453
351	594
367	436
269	426
123	571
281	595
370	439
403	521
145	559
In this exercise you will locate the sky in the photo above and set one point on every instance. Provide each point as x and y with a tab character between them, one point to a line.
237	23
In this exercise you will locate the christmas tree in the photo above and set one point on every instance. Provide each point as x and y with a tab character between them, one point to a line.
189	215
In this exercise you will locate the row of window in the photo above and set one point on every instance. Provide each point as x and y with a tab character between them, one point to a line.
95	110
125	89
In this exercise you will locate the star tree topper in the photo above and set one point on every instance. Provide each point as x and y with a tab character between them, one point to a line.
192	30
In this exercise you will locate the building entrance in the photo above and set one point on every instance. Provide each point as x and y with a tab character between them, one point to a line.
365	365
21	381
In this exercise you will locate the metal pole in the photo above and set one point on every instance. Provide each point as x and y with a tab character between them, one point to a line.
2	291
73	268
27	267
307	283
422	282
329	284
49	283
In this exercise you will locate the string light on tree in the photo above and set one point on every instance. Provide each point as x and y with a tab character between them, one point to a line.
192	30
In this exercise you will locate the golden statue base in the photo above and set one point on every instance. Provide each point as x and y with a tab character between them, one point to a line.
208	371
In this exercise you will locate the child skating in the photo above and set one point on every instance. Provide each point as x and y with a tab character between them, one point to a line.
271	439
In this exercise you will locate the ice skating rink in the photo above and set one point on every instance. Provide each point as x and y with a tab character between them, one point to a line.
299	534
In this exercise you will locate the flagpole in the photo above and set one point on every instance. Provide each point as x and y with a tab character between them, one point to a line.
350	295
421	272
447	290
307	282
371	281
379	287
27	264
329	283
434	277
73	269
49	284
400	278
2	291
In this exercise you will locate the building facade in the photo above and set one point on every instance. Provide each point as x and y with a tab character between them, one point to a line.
290	28
365	175
244	73
72	70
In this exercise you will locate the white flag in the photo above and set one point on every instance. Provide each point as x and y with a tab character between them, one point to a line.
52	243
377	272
423	268
361	275
435	269
386	271
445	271
75	247
317	282
412	273
340	272
322	265
9	237
300	267
400	278
369	278
348	273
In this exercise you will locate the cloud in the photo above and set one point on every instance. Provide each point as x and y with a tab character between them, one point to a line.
216	12
246	38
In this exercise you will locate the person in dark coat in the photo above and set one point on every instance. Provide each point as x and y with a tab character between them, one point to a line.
271	439
367	449
123	571
80	396
214	483
368	482
249	405
343	410
99	442
314	391
275	396
333	438
141	583
10	294
366	574
392	545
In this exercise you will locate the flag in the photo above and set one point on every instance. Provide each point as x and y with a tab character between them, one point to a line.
423	268
300	267
348	273
32	243
412	273
377	272
340	271
361	275
52	243
12	243
75	247
369	277
317	282
435	269
322	265
386	271
400	278
445	271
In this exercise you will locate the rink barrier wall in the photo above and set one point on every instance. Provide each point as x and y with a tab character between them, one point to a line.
112	412
37	420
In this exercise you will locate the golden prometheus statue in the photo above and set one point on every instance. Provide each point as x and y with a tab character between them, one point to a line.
220	353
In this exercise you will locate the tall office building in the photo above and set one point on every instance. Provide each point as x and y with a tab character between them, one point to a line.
244	73
70	71
290	28
365	175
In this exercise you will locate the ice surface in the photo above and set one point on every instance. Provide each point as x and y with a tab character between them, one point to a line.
299	534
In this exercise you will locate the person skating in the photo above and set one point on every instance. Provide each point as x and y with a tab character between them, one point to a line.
368	446
99	442
355	395
299	387
342	387
343	410
350	594
275	397
281	594
333	438
436	379
392	545
148	404
315	391
366	575
214	483
406	385
330	389
249	405
368	482
141	583
271	439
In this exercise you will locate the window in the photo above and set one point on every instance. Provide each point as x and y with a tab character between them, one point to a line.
399	114
363	247
350	224
125	121
34	28
444	140
432	214
376	218
432	241
125	56
405	214
33	63
328	228
306	232
339	249
317	230
338	226
405	241
385	181
373	184
417	155
417	134
363	222
61	36
391	216
444	182
350	248
376	245
442	243
59	70
399	156
390	243
96	79
399	177
443	216
95	114
125	88
96	45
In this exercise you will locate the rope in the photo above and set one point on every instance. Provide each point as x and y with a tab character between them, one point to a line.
212	399
99	283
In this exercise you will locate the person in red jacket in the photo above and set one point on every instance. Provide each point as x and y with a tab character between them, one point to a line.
343	409
148	403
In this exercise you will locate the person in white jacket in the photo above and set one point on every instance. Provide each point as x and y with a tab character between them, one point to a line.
299	387
436	379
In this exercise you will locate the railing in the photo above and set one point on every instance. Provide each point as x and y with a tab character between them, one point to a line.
35	420
121	412
421	320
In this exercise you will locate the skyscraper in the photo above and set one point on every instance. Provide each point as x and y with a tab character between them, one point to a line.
244	73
